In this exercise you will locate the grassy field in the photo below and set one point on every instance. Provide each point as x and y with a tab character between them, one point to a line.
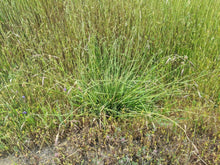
117	81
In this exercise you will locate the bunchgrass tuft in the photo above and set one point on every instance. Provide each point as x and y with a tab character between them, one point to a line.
114	82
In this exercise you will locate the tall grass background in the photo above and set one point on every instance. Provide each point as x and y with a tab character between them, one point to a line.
60	59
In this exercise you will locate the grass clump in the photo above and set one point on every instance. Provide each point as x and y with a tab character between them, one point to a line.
61	60
114	81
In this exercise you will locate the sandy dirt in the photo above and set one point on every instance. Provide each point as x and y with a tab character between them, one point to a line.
10	160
